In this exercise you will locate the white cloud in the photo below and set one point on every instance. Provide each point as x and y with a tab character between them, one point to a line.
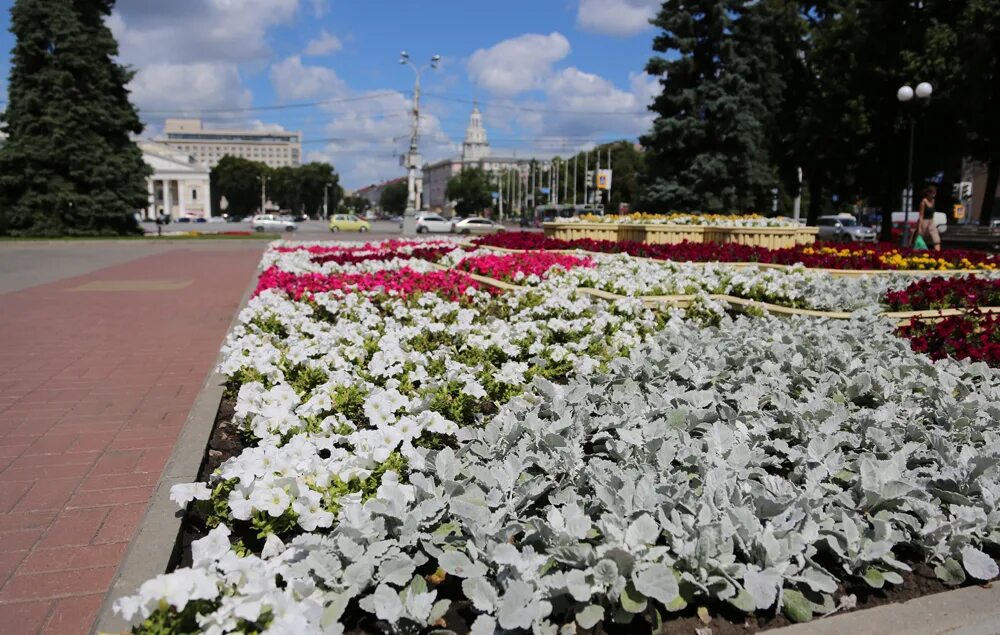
319	8
365	137
325	44
590	105
180	87
186	31
292	80
616	17
518	64
189	52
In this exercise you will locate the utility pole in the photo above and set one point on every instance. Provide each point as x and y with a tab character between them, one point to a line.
326	204
500	192
586	171
263	192
575	157
553	183
610	180
412	158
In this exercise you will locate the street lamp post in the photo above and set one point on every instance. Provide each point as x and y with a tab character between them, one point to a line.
326	199
904	95
263	192
412	158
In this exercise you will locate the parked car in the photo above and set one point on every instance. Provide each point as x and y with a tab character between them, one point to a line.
844	228
200	219
272	222
431	223
348	223
216	219
300	218
476	225
183	219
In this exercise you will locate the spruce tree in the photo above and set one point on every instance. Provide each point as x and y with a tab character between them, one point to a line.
707	150
70	166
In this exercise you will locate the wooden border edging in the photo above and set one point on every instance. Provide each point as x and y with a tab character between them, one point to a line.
743	304
155	546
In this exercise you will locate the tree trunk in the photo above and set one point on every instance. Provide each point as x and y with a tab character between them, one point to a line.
990	192
815	202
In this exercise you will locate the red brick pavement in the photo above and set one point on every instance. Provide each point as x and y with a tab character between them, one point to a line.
95	386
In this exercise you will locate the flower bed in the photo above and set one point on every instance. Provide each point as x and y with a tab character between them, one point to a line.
944	293
428	456
401	282
971	335
529	268
705	220
829	256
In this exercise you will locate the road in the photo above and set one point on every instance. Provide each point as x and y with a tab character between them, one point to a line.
308	230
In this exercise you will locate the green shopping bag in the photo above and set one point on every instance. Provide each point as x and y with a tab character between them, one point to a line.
919	243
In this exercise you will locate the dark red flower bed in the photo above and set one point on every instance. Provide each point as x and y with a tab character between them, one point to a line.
344	257
972	335
946	293
403	282
819	255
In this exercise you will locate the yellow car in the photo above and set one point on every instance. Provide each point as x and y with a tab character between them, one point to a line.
348	223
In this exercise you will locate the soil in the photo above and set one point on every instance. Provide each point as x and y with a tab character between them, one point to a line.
226	441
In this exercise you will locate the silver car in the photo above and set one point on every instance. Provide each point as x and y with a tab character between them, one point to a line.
845	229
273	222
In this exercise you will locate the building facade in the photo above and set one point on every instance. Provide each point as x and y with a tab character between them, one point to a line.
180	186
208	145
475	153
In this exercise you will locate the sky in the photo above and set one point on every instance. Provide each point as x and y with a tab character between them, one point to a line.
550	76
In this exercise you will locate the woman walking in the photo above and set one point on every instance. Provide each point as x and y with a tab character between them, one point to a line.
926	226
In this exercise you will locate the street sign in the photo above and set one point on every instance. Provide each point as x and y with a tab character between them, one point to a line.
543	190
604	179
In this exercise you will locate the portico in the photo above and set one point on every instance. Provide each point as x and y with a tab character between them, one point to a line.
179	185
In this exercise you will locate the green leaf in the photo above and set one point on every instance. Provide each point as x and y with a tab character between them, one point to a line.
950	572
590	615
631	600
743	601
796	606
874	578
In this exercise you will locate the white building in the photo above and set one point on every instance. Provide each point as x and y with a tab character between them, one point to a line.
208	145
475	153
180	186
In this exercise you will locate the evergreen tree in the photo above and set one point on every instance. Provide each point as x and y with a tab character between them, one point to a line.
70	165
707	150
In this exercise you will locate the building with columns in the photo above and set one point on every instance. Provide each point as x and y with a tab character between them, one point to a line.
179	185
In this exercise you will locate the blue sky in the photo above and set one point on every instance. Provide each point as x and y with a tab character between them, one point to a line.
551	76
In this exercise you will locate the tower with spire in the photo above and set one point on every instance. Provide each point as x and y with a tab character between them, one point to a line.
475	146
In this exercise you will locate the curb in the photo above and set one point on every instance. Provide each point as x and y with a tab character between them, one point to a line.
156	544
969	611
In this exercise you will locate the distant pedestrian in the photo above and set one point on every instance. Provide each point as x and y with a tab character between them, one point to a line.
926	226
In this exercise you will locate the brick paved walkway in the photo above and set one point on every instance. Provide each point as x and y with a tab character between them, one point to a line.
97	375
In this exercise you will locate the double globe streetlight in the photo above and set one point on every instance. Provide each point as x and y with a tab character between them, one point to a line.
904	95
412	158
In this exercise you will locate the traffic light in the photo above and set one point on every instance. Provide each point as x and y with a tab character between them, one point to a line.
962	190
